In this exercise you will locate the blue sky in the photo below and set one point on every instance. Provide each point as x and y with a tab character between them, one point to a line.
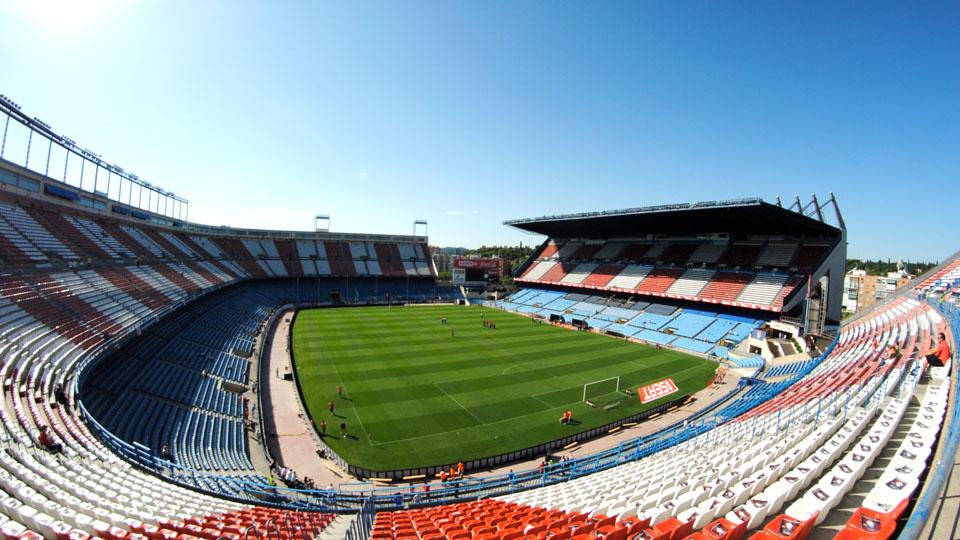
467	114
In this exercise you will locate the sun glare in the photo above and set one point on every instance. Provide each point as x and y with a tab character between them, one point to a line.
68	15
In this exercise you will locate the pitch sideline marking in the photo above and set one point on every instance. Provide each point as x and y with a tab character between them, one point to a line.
353	408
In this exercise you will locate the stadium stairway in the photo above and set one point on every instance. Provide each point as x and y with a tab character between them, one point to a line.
851	502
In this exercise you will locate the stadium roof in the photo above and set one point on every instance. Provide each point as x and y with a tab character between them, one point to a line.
741	216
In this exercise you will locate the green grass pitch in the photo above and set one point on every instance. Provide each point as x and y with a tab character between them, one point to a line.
415	395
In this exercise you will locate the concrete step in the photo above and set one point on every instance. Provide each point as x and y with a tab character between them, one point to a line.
840	514
337	530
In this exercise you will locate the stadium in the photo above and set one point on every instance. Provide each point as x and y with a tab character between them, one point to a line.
666	372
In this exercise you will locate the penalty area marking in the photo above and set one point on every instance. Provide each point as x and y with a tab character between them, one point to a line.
545	403
485	423
550	405
437	386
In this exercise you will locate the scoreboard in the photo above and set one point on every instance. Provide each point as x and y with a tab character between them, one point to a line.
476	272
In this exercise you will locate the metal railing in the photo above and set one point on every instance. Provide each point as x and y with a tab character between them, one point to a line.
353	497
362	523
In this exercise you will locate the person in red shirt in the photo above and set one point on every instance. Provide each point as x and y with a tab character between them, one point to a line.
47	442
941	354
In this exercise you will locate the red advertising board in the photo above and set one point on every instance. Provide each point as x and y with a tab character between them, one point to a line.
482	264
656	390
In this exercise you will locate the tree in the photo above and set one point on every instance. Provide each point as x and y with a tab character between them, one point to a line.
881	267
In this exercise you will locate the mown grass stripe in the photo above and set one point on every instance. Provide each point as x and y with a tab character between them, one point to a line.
423	397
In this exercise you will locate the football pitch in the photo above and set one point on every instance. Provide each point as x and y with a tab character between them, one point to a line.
421	392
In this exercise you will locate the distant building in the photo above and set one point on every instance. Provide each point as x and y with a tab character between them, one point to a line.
861	290
443	263
443	257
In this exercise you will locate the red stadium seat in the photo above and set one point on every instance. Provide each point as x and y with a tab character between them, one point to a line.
165	534
650	534
116	533
723	529
535	530
210	533
675	528
870	524
77	534
618	533
510	534
61	530
603	521
635	525
785	527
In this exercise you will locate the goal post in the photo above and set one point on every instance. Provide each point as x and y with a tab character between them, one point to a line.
600	388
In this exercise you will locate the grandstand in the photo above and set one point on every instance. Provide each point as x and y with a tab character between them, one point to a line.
690	330
698	277
746	254
129	333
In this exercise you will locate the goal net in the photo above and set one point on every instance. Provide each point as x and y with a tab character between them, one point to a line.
599	389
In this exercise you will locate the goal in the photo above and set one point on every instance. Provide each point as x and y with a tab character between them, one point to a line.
602	387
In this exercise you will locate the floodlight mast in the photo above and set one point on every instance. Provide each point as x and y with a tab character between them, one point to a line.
422	222
321	223
10	110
